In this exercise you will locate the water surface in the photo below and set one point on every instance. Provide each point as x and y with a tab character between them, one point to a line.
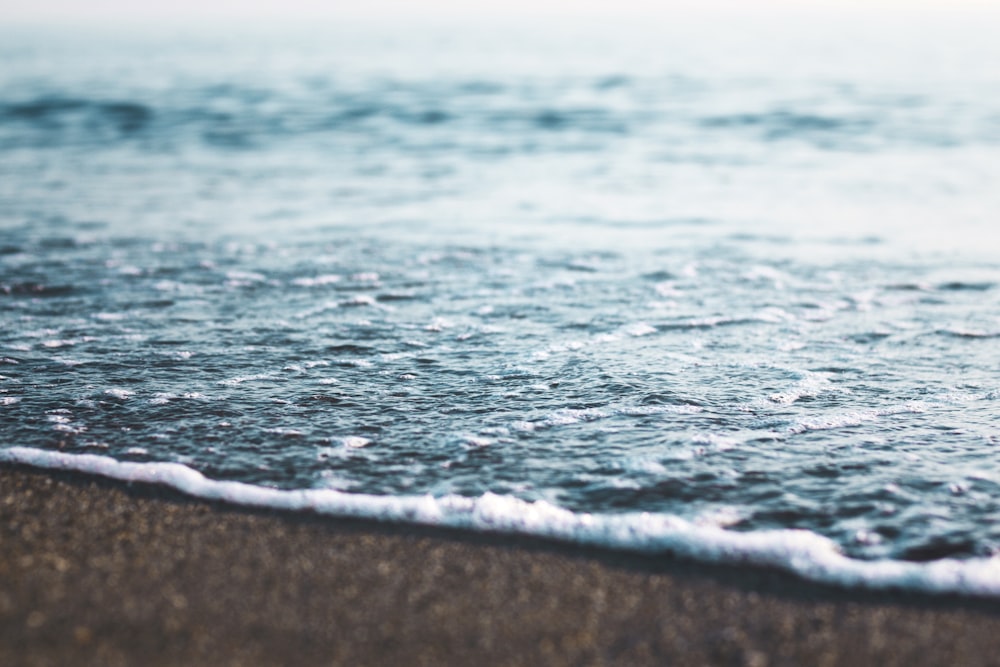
618	270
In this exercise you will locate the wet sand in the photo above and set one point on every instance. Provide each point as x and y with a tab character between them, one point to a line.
95	572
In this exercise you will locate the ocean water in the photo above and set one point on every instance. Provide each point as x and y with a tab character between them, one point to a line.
725	290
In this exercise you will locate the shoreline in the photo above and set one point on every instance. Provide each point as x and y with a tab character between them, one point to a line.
97	571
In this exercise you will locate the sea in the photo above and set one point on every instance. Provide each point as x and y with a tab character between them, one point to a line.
712	287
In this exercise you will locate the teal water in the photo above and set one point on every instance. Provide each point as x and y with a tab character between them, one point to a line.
617	271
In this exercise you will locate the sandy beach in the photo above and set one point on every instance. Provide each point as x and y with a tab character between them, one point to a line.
94	572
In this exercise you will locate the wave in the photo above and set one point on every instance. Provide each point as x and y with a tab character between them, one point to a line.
411	113
966	333
786	124
803	553
50	112
129	116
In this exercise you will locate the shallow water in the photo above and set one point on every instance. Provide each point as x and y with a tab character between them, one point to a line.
603	269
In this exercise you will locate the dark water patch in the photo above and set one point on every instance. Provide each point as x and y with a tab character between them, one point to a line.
665	398
664	491
358	113
782	120
42	109
167	271
938	549
91	225
427	117
784	517
350	348
961	286
128	117
52	112
869	337
555	120
781	124
824	471
551	120
392	297
167	342
231	139
154	303
332	399
59	243
36	289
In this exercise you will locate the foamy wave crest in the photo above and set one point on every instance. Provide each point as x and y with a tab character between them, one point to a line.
801	552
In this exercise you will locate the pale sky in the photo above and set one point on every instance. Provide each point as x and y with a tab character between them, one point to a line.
301	9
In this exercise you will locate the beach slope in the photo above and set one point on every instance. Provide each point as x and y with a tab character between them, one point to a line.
95	572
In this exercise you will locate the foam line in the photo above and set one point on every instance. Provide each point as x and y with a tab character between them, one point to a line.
801	552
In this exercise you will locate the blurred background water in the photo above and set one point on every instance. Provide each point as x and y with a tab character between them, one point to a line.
742	273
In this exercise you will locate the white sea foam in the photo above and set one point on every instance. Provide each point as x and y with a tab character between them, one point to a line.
801	552
118	393
52	344
639	329
259	377
355	441
318	281
853	418
810	386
